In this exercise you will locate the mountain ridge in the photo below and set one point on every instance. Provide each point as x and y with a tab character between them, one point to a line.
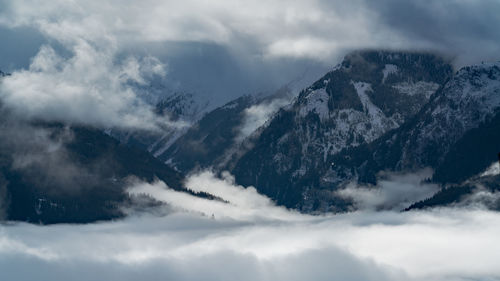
345	108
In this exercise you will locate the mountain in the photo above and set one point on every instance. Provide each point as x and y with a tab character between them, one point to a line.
220	135
377	111
369	94
454	133
186	109
54	173
182	108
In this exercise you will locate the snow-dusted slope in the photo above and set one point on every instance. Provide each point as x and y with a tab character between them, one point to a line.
367	95
467	101
189	109
218	138
182	109
455	133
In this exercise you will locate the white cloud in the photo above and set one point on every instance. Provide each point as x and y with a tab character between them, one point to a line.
300	28
86	88
97	34
250	239
443	244
315	29
238	203
257	115
393	191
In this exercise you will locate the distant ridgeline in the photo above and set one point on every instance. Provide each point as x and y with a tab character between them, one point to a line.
80	179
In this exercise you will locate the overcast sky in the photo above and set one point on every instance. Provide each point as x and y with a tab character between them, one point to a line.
256	30
220	49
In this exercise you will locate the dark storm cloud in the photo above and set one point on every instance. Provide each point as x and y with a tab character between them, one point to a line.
223	49
467	30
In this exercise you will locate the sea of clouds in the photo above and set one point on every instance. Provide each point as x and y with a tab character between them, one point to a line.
247	237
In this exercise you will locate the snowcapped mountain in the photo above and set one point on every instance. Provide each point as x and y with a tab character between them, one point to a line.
188	109
221	135
367	95
376	111
182	108
470	100
457	134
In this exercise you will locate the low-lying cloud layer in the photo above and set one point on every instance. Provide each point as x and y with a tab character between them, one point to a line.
248	238
238	202
393	191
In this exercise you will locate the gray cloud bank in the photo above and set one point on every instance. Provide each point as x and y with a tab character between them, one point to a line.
223	48
315	29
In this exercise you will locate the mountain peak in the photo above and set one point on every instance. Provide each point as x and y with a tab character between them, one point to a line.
367	95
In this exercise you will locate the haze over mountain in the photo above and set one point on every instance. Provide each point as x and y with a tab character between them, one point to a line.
249	140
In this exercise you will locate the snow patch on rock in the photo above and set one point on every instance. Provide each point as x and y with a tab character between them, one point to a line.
316	102
420	87
377	118
389	69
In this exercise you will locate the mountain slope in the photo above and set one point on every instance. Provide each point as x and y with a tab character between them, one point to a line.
441	136
50	173
207	139
221	134
182	108
369	94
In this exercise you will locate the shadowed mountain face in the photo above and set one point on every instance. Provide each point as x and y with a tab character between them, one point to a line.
218	138
454	133
178	107
51	173
369	94
208	139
